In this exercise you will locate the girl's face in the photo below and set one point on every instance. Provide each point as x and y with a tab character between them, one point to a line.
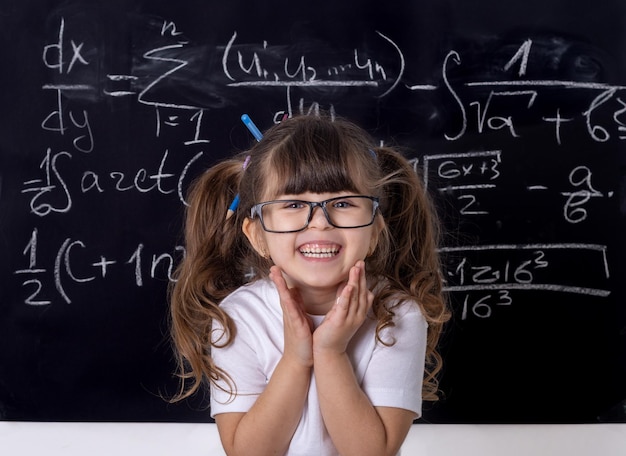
318	258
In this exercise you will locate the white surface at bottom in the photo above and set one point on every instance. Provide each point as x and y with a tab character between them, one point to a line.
155	439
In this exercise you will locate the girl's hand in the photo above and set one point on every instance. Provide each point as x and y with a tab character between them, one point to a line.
354	300
297	325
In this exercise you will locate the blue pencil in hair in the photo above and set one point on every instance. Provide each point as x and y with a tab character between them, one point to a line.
247	121
233	207
245	118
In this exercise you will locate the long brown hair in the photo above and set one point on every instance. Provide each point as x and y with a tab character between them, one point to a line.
303	154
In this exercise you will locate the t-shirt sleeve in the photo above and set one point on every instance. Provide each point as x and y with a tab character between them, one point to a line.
395	373
241	362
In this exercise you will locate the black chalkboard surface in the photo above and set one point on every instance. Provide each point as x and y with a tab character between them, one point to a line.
515	112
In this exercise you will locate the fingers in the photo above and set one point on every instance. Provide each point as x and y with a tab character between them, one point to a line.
287	300
347	314
277	277
297	326
366	297
361	291
355	298
286	295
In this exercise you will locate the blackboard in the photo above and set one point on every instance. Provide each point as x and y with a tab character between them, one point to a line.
514	111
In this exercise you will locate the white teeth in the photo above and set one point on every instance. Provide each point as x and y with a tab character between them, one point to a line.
319	252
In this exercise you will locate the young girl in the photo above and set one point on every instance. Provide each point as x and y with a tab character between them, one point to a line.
315	310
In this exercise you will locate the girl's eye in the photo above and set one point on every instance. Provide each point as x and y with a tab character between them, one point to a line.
343	204
293	205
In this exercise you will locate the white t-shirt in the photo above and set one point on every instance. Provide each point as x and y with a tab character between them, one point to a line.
390	376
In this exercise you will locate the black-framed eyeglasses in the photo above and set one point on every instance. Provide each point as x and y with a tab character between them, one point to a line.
290	216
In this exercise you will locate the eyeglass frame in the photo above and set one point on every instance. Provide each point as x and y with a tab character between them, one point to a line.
256	210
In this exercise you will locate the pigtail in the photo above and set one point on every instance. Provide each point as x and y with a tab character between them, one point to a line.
411	258
210	270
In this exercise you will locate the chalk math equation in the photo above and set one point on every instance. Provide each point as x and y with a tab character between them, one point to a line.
488	280
303	82
465	176
76	263
493	113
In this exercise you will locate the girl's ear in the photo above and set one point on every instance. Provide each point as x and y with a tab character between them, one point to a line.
252	231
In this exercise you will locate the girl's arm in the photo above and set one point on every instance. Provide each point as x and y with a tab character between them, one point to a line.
269	425
267	428
354	424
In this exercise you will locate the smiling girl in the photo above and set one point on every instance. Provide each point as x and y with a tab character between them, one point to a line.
315	311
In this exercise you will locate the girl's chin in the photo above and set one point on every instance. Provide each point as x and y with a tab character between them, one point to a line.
319	282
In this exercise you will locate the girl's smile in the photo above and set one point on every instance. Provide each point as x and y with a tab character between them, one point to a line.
319	250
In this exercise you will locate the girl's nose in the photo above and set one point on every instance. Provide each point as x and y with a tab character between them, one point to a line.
318	219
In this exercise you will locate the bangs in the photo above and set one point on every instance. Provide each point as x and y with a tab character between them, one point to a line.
312	155
315	171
